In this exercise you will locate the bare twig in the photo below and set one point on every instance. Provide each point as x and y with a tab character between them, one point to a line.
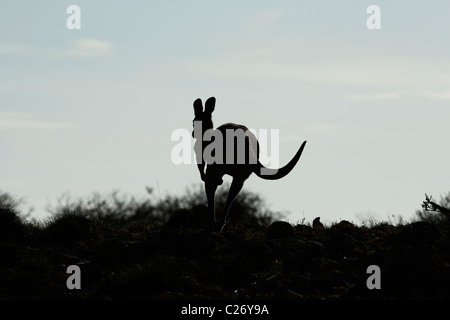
429	205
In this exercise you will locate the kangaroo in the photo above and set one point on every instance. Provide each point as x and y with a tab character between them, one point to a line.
244	161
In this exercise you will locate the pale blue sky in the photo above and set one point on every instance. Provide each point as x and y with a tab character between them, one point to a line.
92	110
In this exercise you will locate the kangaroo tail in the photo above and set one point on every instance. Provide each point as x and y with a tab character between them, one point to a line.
275	174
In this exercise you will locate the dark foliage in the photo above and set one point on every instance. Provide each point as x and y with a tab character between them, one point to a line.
438	214
11	222
151	249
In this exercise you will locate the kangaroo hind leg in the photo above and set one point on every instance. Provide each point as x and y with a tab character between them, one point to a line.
235	188
210	189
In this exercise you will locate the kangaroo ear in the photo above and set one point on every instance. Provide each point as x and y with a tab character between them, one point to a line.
210	104
198	107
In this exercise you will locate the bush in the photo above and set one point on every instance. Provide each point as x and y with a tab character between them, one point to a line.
434	212
113	209
119	210
11	222
68	226
248	208
438	214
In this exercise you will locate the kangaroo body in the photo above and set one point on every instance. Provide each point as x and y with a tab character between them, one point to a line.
238	160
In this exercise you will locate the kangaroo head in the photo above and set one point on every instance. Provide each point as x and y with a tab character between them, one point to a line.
205	117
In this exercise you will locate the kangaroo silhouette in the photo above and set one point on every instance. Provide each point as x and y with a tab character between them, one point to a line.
237	160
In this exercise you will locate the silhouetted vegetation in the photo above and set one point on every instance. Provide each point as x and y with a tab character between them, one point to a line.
437	213
11	221
158	248
123	210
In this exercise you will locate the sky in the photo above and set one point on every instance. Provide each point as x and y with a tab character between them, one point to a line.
93	109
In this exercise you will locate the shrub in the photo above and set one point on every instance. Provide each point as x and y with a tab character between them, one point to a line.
434	212
68	226
11	222
248	208
117	210
438	214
